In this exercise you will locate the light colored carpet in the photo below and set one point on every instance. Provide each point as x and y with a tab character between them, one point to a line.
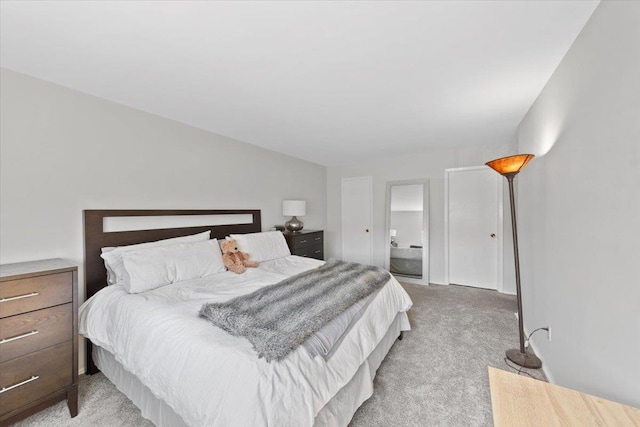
435	376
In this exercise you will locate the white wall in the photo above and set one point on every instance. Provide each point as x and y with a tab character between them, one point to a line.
429	165
579	209
63	151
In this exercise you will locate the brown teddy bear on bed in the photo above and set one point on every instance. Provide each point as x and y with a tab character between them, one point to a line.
234	259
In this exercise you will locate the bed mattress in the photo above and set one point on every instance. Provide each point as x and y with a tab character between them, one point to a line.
208	377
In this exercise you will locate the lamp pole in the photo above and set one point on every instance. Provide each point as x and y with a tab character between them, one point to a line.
516	256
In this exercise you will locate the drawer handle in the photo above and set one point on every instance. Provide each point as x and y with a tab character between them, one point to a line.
11	387
317	252
318	238
32	294
17	337
303	241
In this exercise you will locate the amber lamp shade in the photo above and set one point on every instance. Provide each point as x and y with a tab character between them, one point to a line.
510	166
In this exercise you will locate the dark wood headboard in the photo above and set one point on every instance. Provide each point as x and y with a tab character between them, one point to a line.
96	238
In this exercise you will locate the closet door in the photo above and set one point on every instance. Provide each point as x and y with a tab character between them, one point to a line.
357	219
473	216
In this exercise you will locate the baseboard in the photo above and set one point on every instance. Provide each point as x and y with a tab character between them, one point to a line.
411	280
447	284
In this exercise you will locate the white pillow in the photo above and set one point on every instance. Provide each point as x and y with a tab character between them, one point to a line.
263	246
152	268
113	255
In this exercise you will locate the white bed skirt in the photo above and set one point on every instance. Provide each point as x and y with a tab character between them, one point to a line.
336	413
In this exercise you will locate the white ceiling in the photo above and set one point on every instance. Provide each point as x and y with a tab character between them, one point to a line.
330	82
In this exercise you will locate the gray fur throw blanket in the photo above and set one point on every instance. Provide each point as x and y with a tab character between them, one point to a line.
278	318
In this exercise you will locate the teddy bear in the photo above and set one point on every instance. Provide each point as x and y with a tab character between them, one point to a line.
234	259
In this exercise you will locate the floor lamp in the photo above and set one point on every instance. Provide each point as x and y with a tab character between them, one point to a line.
509	168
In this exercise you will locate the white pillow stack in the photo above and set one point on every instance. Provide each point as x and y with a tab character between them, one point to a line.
152	268
146	266
263	246
113	255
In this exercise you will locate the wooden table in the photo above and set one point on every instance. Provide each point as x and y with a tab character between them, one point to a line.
520	401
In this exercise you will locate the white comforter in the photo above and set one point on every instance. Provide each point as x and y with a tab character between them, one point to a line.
211	378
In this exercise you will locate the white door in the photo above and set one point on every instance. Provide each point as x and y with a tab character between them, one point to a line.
473	216
357	219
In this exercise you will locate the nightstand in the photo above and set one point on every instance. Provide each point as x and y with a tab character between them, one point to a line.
38	337
306	243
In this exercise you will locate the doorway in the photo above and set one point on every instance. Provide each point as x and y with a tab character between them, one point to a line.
473	228
407	230
357	219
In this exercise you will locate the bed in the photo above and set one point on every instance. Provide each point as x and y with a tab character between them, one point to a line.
406	261
182	371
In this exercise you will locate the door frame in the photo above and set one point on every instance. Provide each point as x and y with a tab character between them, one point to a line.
499	226
369	179
425	229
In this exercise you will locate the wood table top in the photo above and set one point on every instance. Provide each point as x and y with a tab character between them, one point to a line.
520	401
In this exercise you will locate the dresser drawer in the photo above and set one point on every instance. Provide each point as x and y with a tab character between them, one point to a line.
304	240
34	376
34	293
315	251
25	333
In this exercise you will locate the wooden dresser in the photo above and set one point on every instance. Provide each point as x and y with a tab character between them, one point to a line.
38	337
307	243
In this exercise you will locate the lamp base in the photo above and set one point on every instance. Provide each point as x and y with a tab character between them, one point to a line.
294	225
526	360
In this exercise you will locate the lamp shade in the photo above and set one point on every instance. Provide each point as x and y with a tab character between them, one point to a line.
510	166
294	207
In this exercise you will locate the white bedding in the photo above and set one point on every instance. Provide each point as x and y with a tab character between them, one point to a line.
209	377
